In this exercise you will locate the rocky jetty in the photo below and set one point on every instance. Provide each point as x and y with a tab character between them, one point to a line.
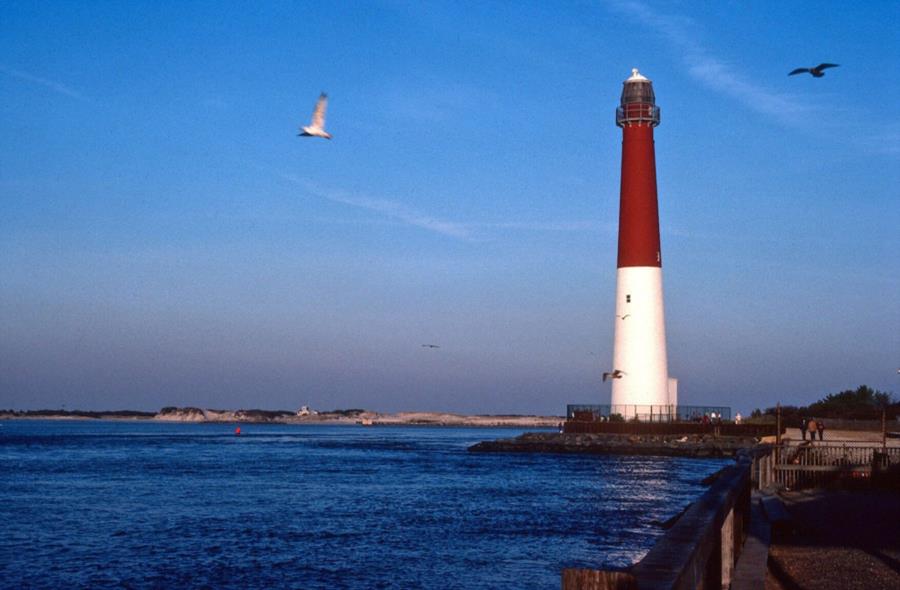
618	444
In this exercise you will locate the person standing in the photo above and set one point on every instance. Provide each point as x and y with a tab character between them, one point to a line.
820	426
737	418
811	426
803	425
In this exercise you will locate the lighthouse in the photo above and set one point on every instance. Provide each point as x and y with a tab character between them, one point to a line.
640	377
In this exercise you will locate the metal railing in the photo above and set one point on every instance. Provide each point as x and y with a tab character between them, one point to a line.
636	113
647	413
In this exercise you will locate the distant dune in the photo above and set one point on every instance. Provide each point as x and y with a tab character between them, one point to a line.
350	417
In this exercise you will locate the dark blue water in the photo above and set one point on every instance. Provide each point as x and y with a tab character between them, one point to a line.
138	505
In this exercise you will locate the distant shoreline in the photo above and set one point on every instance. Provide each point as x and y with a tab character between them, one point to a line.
338	417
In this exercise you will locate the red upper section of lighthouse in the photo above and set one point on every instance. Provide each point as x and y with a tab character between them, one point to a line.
638	209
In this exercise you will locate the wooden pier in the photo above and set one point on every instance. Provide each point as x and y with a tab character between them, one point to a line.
722	540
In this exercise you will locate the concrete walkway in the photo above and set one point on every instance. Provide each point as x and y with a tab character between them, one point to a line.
840	540
867	437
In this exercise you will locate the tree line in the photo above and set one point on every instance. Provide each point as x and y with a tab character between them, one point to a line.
862	403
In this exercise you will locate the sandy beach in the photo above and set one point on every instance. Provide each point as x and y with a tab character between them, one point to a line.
367	418
349	418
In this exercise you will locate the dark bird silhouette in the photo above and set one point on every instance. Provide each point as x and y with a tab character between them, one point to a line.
430	346
615	374
622	317
816	71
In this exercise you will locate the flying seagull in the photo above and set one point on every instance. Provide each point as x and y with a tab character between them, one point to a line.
816	71
622	317
316	127
430	346
616	374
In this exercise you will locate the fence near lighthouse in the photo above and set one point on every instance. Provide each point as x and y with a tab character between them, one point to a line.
646	413
660	421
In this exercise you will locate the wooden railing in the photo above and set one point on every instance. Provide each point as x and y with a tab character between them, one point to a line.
817	464
699	551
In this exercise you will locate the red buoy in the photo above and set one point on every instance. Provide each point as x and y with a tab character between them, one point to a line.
237	431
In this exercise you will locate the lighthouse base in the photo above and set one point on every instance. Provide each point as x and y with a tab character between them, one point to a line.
639	354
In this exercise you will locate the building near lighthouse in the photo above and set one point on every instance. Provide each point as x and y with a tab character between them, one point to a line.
641	386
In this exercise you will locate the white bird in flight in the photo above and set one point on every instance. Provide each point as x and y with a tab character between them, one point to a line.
316	127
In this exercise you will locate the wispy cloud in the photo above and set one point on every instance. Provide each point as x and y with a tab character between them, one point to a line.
392	209
54	86
706	68
682	32
548	226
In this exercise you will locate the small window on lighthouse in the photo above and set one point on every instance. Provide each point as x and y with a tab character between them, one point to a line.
628	299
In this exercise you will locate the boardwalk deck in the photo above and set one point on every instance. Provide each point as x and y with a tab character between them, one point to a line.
750	569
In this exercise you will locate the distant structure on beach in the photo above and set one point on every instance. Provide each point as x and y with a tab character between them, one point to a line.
640	375
306	411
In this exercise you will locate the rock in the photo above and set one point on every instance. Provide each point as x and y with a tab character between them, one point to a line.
546	442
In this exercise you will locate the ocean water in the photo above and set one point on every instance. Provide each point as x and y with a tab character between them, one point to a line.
88	504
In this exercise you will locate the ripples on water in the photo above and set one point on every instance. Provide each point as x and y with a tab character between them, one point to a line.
120	504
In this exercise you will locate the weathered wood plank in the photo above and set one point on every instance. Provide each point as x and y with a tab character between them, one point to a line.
586	579
689	556
728	548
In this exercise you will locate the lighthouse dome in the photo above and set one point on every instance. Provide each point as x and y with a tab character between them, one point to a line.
636	76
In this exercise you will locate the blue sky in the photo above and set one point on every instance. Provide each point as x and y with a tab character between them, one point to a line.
165	238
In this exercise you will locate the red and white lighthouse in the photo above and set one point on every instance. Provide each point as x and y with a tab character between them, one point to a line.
640	383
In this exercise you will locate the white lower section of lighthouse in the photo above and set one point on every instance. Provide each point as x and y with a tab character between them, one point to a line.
639	353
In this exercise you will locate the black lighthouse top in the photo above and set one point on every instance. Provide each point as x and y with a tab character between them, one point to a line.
638	104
